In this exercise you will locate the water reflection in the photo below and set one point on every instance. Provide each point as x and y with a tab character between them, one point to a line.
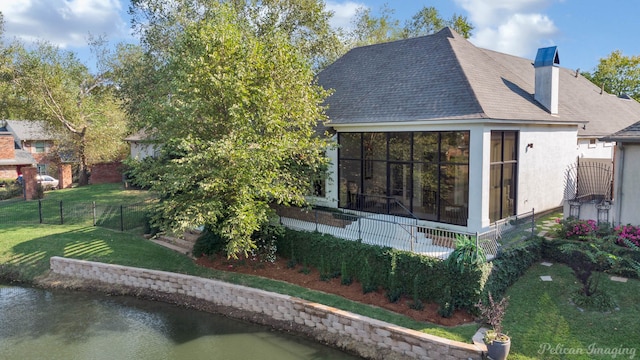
39	324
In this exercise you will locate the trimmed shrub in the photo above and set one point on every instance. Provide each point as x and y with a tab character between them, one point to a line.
209	243
507	269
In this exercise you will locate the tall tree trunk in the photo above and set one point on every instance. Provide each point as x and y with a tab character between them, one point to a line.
83	170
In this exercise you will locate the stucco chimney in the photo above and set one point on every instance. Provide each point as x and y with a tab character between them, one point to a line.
7	147
547	78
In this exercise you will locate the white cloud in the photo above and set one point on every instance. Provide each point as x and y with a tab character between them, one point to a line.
515	27
343	13
66	23
521	35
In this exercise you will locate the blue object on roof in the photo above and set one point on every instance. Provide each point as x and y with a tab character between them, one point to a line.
547	57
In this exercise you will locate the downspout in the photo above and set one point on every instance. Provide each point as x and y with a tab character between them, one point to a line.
619	183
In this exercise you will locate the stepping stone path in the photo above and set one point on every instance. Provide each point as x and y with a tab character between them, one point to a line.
546	264
546	226
618	279
546	278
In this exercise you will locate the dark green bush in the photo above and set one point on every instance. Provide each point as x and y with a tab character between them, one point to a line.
266	239
209	243
403	273
507	269
10	189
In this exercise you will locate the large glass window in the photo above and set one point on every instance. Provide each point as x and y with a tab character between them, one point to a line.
424	173
503	181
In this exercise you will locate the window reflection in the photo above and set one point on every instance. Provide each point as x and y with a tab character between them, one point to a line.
426	173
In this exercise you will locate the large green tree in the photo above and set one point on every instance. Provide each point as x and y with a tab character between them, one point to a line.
80	108
305	23
236	117
618	74
370	29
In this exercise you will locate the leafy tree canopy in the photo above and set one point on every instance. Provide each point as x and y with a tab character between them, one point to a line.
80	108
305	23
236	116
618	74
370	29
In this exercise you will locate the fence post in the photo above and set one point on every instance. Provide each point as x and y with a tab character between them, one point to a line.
477	243
61	214
359	230
121	218
40	209
93	211
412	237
315	213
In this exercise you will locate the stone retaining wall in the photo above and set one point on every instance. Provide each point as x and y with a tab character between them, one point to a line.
361	335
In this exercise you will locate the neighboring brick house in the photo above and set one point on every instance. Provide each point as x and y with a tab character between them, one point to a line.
32	137
12	159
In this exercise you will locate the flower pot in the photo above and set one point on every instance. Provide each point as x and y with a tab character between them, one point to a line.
498	349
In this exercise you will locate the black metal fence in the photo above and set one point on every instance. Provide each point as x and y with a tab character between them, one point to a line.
117	217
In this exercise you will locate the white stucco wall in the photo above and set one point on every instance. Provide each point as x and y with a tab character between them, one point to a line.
599	150
626	204
141	150
542	169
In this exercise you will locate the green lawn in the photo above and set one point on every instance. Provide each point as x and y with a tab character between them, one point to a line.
539	316
25	250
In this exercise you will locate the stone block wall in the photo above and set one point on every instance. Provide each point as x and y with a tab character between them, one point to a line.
364	336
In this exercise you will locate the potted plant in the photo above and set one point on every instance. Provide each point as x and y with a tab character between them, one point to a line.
498	343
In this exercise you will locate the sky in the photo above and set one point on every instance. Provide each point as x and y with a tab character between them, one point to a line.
584	30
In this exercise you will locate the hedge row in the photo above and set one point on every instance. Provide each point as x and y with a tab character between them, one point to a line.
399	273
9	189
505	270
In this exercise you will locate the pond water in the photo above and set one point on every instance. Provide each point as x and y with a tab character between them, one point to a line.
43	324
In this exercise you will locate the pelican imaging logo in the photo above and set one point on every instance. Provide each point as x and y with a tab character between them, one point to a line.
591	350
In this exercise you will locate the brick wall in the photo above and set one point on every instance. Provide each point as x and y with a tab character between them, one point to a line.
106	173
30	182
364	336
65	177
7	147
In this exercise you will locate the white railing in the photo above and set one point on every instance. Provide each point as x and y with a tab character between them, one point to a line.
404	233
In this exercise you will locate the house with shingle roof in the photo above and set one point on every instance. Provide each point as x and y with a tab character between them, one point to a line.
459	136
32	137
12	159
625	207
142	145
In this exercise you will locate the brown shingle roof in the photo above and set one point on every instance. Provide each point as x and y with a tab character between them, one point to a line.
445	77
628	134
